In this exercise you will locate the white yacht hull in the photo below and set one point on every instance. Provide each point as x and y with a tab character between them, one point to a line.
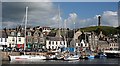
27	57
72	58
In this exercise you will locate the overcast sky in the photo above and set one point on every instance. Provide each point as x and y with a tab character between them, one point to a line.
46	14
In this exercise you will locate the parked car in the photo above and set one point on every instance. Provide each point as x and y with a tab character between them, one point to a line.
8	49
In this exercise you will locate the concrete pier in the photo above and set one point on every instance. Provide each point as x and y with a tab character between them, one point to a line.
6	54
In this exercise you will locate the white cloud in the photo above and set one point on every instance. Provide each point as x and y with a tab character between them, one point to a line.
72	19
110	18
73	15
57	18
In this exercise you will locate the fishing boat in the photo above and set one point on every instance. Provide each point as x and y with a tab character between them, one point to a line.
26	57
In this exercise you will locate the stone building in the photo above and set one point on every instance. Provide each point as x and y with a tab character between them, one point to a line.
103	45
93	41
3	40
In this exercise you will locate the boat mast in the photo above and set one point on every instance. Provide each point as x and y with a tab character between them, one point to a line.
74	33
59	20
25	29
65	30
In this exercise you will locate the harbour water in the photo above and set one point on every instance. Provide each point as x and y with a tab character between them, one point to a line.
81	61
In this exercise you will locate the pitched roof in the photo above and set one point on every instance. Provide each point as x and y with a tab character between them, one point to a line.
54	38
3	34
102	42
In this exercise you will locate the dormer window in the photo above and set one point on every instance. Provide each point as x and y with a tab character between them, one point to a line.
12	33
29	33
36	34
18	34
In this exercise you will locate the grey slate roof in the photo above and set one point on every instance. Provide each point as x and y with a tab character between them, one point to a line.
102	42
3	34
54	38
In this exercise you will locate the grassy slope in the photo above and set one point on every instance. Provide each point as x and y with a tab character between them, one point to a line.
107	30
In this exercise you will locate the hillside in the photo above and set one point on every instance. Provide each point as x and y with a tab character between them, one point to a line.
107	30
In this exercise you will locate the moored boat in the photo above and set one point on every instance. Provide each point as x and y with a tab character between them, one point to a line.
27	57
71	57
91	56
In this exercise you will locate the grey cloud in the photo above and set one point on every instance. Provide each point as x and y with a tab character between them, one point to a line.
39	13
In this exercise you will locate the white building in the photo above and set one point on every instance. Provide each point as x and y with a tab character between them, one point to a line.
13	42
16	41
55	43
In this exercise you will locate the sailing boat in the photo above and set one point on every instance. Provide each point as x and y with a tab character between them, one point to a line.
71	57
26	57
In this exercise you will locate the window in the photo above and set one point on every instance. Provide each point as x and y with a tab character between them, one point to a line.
1	39
64	43
12	33
18	33
13	39
53	43
29	33
49	42
85	45
36	40
56	43
19	39
41	40
52	47
114	44
49	47
110	44
60	43
5	39
36	34
29	40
